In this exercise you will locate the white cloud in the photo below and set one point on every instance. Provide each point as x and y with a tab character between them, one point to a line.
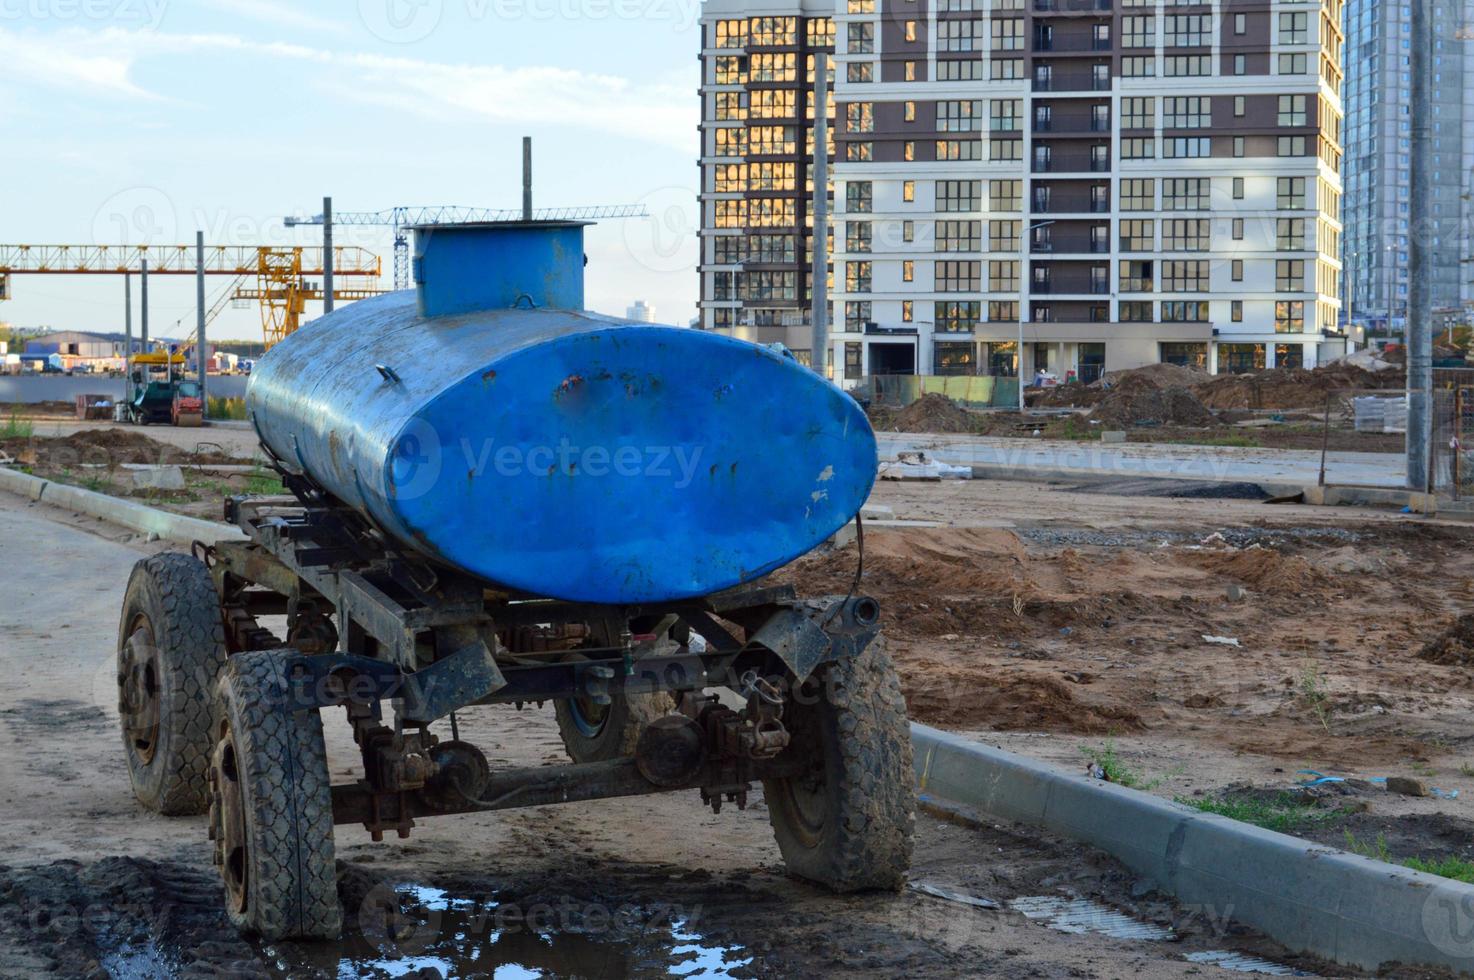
280	14
102	62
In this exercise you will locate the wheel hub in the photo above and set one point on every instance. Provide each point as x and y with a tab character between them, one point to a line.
138	690
228	823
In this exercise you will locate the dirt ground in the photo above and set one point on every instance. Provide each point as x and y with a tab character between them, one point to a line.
91	885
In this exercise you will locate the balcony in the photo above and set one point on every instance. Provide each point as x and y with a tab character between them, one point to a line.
1072	6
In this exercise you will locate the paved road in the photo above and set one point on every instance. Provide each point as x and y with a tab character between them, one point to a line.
1230	463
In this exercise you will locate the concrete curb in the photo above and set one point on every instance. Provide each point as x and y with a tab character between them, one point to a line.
135	516
1348	909
1082	477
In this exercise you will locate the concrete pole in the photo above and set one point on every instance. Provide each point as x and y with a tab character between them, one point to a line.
327	255
127	337
1420	299
527	178
819	277
199	301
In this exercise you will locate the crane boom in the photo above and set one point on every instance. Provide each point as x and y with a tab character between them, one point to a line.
167	260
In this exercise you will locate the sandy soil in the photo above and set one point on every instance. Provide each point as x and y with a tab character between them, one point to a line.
91	885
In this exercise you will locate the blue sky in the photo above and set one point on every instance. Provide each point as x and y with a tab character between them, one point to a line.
132	121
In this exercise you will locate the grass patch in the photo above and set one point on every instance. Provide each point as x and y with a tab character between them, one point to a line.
1237	439
16	427
1447	867
1313	691
1116	770
1285	813
227	408
263	482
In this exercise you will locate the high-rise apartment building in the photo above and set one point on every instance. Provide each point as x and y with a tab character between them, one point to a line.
1108	182
1378	151
757	150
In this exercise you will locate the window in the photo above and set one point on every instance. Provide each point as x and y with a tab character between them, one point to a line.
1292	110
908	150
908	190
1139	31
772	31
1138	148
911	31
1184	311
859	117
1138	234
1291	146
959	70
1240	65
908	271
1185	276
1136	311
853	365
1194	147
856	315
1295	63
909	113
1002	310
952	359
762	284
1238	146
1185	234
1236	311
959	35
959	116
1138	194
860	36
1238	229
769	140
956	277
1004	114
857	196
1005	149
1293	28
771	213
821	33
731	106
776	103
909	68
731	214
731	178
1240	106
959	236
1290	193
1003	277
956	316
729	70
1003	236
728	250
1187	112
1008	33
1187	65
908	231
906	306
1289	316
773	68
1005	195
1236	270
859	72
770	248
959	149
1240	23
857	277
731	34
1004	69
1238	188
1185	193
1188	30
857	236
1138	66
1139	112
1289	275
859	151
860	6
1136	277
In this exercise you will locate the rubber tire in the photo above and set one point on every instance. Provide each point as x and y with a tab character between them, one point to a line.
867	801
177	595
627	718
292	890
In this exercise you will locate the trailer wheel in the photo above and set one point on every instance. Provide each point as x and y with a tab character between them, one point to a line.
171	648
599	732
271	812
849	821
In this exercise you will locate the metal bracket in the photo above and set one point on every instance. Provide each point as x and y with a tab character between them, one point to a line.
806	633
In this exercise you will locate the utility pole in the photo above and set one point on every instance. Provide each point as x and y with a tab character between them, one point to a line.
127	338
199	300
143	304
527	178
327	255
819	278
1420	299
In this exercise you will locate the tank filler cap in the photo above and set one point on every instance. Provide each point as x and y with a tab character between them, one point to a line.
495	265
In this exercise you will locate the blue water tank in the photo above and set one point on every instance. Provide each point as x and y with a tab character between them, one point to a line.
554	451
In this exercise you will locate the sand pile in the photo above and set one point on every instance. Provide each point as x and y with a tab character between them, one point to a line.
931	413
1454	647
1291	387
1162	375
1264	570
1137	399
103	447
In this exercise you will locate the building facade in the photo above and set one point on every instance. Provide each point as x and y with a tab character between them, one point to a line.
1075	186
1379	145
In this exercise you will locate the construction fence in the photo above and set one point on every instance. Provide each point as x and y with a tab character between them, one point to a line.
1363	439
971	391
